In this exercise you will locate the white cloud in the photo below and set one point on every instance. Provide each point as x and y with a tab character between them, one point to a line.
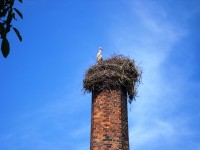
154	116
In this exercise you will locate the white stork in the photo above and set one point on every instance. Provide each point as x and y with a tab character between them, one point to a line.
99	56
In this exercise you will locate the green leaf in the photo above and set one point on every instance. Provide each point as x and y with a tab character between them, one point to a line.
5	47
2	31
18	33
9	17
18	12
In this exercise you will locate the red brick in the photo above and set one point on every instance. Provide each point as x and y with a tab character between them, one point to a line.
109	121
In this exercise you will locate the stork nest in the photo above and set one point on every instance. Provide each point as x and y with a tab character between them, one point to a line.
117	72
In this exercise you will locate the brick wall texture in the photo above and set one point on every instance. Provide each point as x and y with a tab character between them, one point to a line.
109	121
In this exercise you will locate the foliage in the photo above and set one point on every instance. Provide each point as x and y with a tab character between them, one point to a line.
7	14
117	72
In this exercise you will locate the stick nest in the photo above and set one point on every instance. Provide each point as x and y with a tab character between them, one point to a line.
117	72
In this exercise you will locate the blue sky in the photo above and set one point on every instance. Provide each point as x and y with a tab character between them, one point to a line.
42	105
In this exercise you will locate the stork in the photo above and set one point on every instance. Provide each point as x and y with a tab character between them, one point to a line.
99	56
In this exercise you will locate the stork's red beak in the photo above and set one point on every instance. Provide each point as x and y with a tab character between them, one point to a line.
100	48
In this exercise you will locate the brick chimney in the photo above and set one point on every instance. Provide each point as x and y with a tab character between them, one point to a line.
109	124
111	82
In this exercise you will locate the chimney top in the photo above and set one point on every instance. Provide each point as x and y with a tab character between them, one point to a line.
113	73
